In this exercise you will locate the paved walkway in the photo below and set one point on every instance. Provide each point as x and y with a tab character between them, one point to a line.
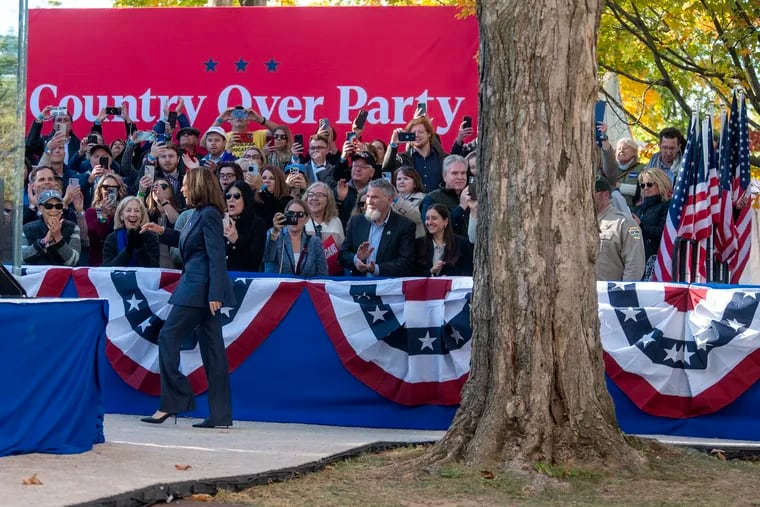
141	458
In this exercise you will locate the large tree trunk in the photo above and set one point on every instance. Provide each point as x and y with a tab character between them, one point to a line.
536	391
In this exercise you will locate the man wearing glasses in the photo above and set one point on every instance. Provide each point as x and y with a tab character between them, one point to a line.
362	170
669	156
51	239
318	169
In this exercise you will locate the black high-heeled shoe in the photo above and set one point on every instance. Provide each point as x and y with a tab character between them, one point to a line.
159	420
206	424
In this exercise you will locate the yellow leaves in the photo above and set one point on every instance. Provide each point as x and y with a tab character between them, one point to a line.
32	481
183	467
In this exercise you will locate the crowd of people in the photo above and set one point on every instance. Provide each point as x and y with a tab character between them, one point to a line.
632	201
308	204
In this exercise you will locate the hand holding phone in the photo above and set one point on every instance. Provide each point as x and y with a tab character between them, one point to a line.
172	119
298	139
103	161
150	172
407	137
113	111
361	119
467	123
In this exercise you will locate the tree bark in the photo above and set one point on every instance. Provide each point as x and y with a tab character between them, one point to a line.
536	390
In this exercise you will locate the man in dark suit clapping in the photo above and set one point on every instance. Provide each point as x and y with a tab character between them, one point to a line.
380	242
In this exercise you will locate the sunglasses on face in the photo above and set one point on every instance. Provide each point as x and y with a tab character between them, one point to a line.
162	186
109	187
230	195
280	136
50	205
648	184
298	214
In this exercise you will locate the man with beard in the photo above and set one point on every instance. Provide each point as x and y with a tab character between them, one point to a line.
380	242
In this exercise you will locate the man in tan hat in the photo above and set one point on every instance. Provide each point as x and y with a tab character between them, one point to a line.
621	247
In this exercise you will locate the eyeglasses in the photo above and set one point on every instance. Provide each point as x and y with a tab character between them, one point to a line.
226	175
109	187
316	195
50	205
162	186
280	136
648	184
317	148
362	166
232	196
298	214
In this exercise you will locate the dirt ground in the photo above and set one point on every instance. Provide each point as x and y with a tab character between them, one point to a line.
674	477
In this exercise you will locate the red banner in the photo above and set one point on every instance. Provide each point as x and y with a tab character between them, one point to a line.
294	65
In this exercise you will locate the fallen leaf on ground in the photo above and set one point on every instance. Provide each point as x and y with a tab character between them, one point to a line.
486	474
183	467
721	455
32	481
201	497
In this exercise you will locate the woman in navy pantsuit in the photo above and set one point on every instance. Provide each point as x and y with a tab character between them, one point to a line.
202	290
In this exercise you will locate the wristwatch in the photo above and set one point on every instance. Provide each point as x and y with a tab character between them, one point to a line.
43	243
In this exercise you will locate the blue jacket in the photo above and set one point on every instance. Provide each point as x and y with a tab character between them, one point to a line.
312	263
204	273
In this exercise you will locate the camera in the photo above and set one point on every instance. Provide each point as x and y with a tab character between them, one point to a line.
407	137
92	139
291	218
239	114
113	111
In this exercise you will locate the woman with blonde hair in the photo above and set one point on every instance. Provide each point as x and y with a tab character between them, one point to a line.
323	213
109	190
125	246
657	190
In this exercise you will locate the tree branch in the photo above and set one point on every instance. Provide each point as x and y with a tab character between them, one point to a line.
621	107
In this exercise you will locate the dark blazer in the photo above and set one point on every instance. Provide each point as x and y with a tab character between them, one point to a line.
463	266
204	272
145	256
396	252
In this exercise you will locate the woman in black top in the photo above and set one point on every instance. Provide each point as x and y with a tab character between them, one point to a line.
441	252
244	232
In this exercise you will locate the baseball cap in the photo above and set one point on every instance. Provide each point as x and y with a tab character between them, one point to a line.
46	195
366	156
602	185
100	147
188	131
217	130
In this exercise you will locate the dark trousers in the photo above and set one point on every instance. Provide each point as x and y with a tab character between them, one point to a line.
176	393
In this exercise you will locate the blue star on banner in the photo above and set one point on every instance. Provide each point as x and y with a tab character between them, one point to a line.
272	65
210	65
240	65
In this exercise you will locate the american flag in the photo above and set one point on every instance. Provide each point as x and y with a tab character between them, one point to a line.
689	219
725	237
741	179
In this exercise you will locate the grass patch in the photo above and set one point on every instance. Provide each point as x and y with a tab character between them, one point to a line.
672	478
